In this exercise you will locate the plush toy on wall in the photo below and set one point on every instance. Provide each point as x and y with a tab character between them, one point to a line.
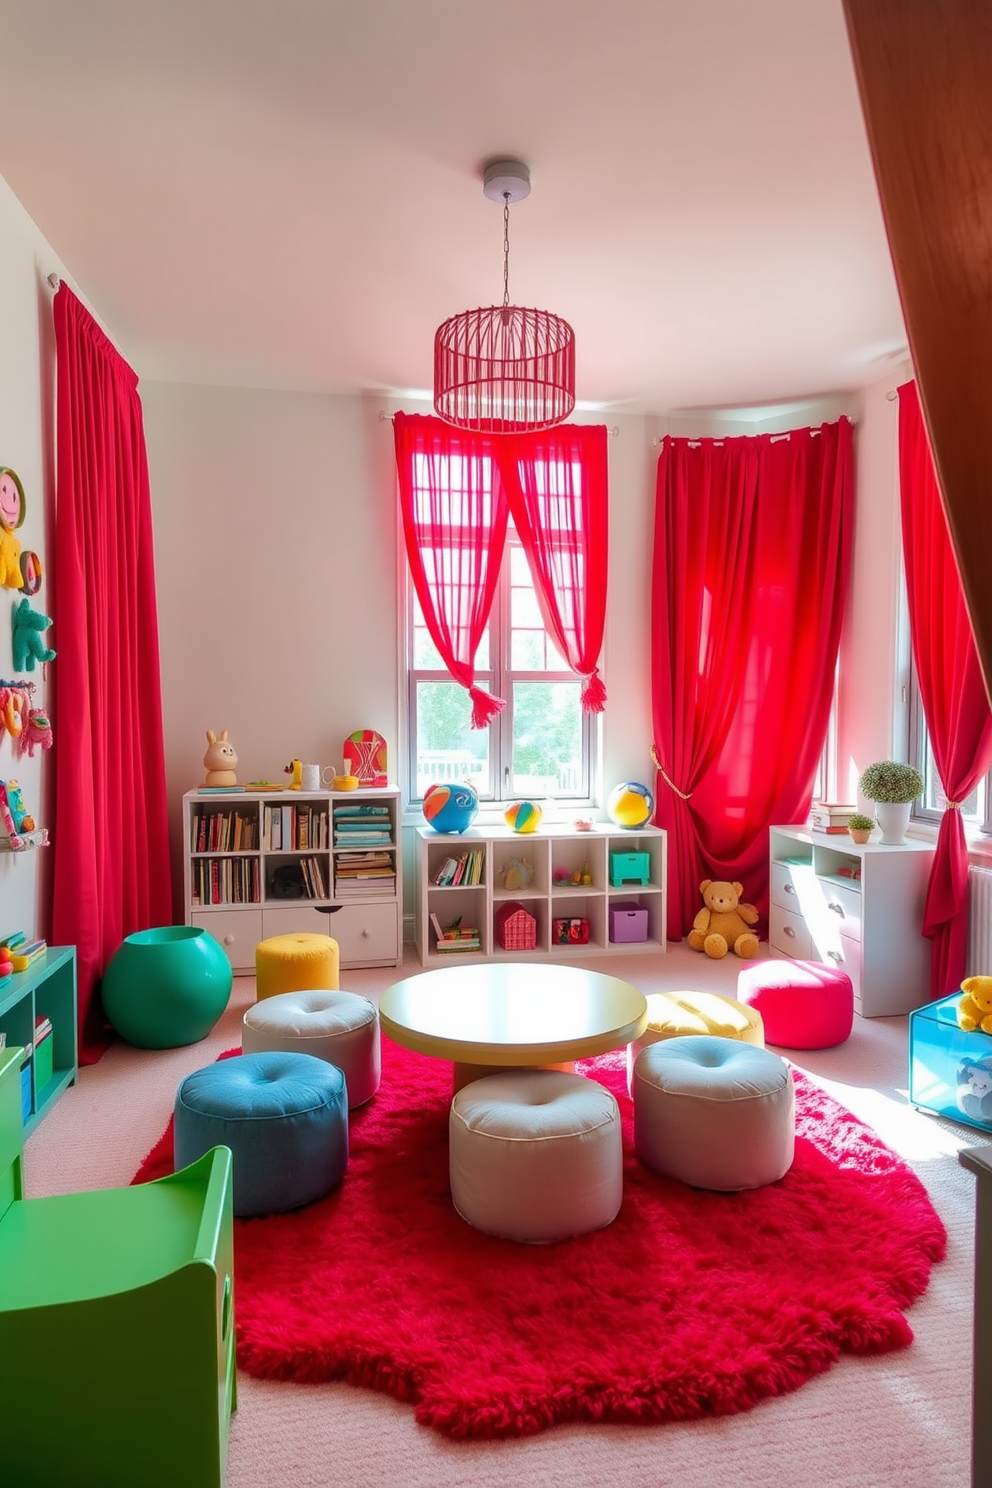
29	648
975	1007
12	510
219	760
36	733
724	924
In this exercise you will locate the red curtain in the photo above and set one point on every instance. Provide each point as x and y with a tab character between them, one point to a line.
557	486
752	552
112	870
955	702
454	520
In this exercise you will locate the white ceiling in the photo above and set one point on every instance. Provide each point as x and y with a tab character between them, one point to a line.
287	193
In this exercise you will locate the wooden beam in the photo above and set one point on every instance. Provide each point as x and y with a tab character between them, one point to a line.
924	73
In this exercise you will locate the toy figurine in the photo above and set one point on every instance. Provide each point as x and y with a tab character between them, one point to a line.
220	760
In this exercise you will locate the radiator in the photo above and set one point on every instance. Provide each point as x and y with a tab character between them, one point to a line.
979	922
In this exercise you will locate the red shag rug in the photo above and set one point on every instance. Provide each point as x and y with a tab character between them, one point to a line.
689	1304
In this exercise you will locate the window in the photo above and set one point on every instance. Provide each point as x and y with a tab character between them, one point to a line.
541	744
929	807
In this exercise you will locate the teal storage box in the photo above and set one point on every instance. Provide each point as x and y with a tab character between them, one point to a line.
43	1064
630	867
950	1071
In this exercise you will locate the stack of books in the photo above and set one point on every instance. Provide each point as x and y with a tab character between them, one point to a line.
831	816
456	937
364	875
362	826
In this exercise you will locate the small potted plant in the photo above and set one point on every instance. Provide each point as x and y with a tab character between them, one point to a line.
893	787
860	827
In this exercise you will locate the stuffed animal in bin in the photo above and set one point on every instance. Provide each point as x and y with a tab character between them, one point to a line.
974	1092
219	760
975	1007
724	923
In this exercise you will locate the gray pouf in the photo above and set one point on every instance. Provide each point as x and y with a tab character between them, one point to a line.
714	1112
285	1119
341	1027
535	1155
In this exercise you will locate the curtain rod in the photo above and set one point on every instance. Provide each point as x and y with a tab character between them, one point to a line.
387	418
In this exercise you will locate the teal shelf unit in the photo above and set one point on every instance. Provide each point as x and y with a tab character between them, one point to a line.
47	987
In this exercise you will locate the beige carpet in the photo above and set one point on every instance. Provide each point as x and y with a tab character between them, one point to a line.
900	1421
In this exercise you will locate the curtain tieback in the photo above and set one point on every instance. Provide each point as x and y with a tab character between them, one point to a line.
685	795
952	805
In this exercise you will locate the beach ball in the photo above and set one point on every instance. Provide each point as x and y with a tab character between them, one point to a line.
630	804
523	816
451	808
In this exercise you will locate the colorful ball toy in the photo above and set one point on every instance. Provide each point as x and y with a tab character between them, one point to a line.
630	804
523	816
451	808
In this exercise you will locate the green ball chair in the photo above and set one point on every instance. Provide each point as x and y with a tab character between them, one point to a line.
166	987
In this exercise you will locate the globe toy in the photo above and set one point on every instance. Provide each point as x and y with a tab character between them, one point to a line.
630	805
523	816
451	808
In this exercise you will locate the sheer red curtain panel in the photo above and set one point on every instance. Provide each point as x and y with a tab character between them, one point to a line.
111	841
557	486
454	513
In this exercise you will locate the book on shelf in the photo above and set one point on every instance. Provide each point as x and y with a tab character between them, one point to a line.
827	814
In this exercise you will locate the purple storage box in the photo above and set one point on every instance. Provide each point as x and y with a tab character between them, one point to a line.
628	922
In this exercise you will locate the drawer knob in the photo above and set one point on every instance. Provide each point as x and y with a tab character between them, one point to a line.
836	956
788	930
228	939
838	909
790	888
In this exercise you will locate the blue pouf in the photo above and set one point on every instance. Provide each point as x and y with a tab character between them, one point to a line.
167	986
285	1119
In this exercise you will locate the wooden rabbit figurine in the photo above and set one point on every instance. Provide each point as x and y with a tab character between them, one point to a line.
220	760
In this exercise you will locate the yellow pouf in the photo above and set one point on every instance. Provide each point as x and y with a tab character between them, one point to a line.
295	963
679	1014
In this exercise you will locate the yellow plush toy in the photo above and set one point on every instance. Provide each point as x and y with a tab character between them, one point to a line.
724	924
975	1007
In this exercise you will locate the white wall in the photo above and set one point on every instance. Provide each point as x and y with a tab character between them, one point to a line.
27	372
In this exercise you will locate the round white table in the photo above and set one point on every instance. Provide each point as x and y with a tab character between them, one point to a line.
497	1015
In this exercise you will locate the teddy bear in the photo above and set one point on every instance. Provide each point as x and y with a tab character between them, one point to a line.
975	1007
724	924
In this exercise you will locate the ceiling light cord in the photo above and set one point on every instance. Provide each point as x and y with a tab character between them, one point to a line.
506	250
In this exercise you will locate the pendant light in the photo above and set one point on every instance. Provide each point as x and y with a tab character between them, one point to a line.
503	369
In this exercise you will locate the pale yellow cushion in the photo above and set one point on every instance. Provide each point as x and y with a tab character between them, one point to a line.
678	1014
295	963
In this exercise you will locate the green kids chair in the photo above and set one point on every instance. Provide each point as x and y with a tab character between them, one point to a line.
116	1324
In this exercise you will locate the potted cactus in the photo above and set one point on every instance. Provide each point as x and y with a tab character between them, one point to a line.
860	827
893	787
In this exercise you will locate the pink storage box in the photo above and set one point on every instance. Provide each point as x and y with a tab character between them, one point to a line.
628	922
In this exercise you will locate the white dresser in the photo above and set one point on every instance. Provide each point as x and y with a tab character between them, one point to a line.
859	908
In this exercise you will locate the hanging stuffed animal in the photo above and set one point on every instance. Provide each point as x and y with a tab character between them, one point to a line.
15	701
28	646
12	510
36	733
